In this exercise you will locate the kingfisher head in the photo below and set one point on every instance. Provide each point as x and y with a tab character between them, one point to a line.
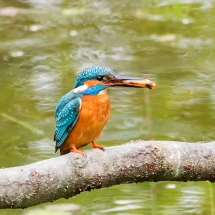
94	79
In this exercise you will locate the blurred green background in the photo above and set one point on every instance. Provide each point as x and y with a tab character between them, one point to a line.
44	44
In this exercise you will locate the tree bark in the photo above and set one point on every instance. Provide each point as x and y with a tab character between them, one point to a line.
137	161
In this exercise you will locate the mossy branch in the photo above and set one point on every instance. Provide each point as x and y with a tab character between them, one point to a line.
139	161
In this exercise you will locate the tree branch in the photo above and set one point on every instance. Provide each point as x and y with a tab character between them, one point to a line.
137	161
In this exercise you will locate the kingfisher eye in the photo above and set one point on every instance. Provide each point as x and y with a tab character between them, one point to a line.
99	78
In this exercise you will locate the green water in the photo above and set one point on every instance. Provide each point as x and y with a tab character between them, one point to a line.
44	44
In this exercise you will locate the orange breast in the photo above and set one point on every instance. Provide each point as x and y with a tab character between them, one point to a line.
94	114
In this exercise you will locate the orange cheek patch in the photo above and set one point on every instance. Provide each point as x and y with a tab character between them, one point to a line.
91	83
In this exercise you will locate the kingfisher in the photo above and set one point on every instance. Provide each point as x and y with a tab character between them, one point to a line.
82	113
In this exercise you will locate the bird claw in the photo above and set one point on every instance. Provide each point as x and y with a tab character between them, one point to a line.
95	146
79	152
74	149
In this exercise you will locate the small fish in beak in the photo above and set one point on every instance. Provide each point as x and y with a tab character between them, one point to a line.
130	82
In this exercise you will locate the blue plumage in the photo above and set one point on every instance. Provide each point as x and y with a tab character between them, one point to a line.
95	89
66	115
92	73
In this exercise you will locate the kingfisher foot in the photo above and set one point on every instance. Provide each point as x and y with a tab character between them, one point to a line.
74	149
95	146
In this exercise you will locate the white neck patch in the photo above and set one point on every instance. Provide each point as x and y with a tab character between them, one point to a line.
103	92
80	89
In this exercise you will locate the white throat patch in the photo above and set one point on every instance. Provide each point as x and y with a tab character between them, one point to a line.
103	92
80	89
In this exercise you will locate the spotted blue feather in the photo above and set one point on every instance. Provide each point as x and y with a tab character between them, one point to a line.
91	73
66	115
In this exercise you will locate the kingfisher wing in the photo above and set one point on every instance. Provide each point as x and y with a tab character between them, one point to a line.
66	115
63	101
